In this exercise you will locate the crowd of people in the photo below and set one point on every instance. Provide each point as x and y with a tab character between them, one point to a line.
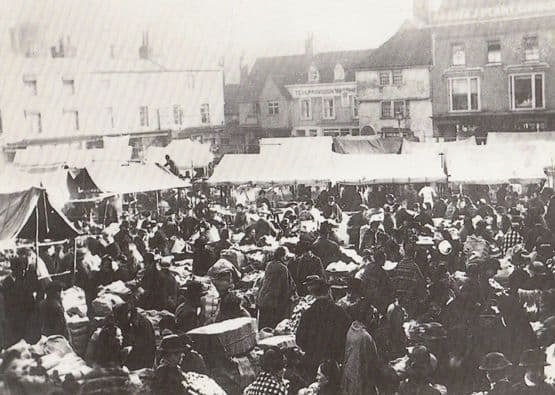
439	301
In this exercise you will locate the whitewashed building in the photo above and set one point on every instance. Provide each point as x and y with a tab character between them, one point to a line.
393	87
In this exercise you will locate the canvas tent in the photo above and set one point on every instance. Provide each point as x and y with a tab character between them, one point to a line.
412	147
494	165
129	178
387	169
56	155
367	145
187	154
28	214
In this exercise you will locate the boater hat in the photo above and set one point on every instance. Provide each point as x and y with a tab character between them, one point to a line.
494	361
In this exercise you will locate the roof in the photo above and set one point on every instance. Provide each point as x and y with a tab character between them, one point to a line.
408	47
293	69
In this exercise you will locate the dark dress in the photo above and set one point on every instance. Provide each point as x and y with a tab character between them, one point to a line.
140	336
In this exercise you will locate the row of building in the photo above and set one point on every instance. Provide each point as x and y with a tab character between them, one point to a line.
469	67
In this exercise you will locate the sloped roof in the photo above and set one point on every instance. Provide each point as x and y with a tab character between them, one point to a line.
408	47
293	69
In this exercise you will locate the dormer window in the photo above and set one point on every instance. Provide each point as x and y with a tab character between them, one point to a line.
338	73
313	74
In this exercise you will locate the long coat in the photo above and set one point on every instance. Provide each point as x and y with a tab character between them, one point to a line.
361	362
321	333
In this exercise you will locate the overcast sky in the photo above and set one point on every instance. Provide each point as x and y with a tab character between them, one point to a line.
199	32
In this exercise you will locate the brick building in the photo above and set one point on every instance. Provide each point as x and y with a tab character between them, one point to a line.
493	67
302	95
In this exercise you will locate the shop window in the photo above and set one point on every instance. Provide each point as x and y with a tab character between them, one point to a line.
464	94
527	91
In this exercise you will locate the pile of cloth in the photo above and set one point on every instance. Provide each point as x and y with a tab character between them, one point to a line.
41	367
110	296
75	307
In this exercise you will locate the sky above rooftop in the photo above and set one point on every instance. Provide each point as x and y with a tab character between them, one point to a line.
200	32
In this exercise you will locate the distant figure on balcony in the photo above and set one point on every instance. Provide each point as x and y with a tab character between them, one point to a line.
171	166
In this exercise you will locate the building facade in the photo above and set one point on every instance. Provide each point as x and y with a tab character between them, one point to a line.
393	85
493	67
44	98
302	95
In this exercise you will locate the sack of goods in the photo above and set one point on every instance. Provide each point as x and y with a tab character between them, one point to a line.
116	288
230	338
199	384
103	305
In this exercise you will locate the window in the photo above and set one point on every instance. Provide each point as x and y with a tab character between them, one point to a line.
531	48
494	52
205	113
344	132
69	86
355	132
109	118
527	91
273	107
306	109
354	106
464	94
301	133
384	78
34	121
331	132
71	119
399	109
31	86
338	73
397	77
177	115
143	116
313	74
328	108
345	99
313	132
458	57
386	109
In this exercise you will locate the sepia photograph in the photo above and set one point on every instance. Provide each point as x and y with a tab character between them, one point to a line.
263	197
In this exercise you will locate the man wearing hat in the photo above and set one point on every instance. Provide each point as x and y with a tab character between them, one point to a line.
533	382
51	312
421	365
357	221
166	294
175	351
496	366
322	329
304	265
324	248
541	278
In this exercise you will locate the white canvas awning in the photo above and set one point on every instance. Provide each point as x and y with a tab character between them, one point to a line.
133	177
186	154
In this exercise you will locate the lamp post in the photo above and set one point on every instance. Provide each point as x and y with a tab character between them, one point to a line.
399	117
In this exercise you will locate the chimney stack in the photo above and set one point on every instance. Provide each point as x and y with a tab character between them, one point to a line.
309	45
144	49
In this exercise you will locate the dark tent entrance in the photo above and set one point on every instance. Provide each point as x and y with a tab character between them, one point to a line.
29	215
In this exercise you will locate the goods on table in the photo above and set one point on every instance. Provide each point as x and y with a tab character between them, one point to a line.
234	256
105	380
231	337
342	267
116	288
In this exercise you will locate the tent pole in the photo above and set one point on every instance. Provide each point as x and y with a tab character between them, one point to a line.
157	204
37	231
74	260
